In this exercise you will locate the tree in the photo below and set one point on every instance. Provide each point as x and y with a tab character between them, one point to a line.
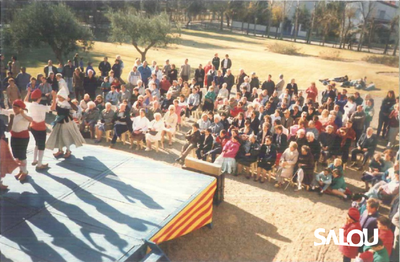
366	9
393	23
350	13
141	30
327	18
268	11
50	24
310	30
277	15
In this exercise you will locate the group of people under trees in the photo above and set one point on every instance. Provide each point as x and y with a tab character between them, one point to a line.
285	131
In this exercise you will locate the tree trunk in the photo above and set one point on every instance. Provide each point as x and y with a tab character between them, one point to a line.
227	20
276	32
396	46
296	23
283	20
371	29
342	35
248	27
268	24
360	42
143	54
310	30
221	27
58	54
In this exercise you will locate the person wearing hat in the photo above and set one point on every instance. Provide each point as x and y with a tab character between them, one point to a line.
38	125
65	132
352	223
19	122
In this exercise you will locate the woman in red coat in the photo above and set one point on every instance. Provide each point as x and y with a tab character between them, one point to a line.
312	92
352	223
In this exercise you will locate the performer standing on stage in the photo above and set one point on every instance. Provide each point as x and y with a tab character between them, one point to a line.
19	134
7	162
38	125
65	132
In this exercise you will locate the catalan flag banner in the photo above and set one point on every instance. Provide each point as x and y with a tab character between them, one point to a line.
196	215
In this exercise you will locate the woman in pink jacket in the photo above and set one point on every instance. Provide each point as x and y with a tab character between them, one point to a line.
229	153
312	92
352	223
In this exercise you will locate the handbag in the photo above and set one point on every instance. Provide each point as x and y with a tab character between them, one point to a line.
153	133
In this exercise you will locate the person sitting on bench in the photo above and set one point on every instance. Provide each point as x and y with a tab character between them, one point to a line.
366	145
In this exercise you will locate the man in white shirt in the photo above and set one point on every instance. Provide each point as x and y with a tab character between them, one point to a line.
133	78
49	69
139	126
279	86
38	125
62	84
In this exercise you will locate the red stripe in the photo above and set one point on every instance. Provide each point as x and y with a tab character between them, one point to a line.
187	218
194	220
203	222
186	212
184	215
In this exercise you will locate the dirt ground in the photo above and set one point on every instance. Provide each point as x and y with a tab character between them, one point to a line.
258	222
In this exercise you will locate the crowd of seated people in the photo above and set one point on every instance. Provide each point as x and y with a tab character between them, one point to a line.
263	130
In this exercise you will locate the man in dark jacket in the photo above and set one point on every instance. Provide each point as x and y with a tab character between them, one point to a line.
205	144
358	119
313	145
68	71
326	140
215	62
226	63
240	79
269	85
193	138
368	219
105	67
229	79
366	145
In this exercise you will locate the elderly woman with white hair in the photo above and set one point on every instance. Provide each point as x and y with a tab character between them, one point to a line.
65	132
287	163
90	84
105	122
155	129
90	118
122	123
171	120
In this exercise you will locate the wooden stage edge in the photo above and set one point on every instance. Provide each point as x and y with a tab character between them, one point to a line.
100	205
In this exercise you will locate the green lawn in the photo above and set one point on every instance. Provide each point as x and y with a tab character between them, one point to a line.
248	52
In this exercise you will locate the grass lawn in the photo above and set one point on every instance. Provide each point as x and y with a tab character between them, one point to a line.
248	52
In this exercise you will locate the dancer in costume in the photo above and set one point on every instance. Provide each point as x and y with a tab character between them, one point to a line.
19	121
38	125
7	161
65	132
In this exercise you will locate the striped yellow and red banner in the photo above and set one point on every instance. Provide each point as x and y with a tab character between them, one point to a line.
196	215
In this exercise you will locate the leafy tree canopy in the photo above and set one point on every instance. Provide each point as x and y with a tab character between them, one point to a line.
51	24
141	30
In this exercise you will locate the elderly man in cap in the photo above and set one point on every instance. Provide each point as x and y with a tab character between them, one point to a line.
38	125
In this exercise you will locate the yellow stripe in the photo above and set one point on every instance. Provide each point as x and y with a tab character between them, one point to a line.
191	214
190	229
194	202
190	220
